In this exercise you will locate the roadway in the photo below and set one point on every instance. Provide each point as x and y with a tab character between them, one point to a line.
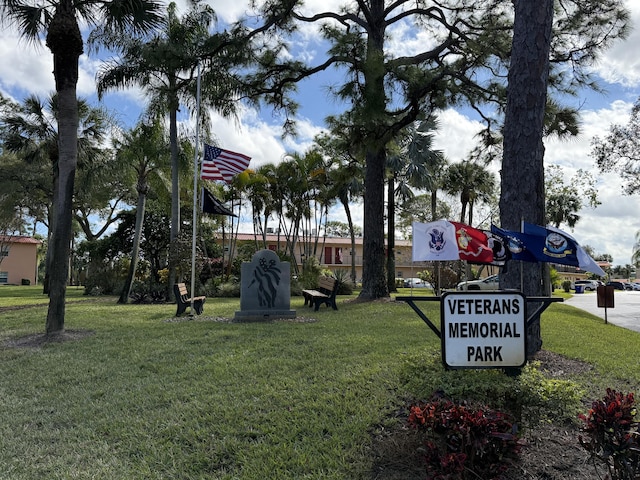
626	311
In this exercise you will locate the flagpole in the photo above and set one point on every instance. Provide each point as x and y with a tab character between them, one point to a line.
195	192
522	264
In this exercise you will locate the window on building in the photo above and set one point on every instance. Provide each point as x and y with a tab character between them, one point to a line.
4	277
338	255
4	251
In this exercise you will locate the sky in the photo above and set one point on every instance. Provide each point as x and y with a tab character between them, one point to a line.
609	228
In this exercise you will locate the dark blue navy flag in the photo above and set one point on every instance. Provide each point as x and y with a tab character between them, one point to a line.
550	245
514	245
560	247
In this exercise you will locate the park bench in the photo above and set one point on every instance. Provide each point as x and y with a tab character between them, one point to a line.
325	293
183	300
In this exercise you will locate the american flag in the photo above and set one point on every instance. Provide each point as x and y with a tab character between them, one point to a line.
220	164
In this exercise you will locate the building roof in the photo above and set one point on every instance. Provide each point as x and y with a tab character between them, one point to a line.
19	239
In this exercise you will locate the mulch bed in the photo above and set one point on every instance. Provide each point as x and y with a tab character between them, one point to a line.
551	452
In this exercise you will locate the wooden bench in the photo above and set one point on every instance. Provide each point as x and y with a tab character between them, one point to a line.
184	300
324	293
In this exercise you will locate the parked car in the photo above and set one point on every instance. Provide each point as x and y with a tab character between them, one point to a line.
616	285
587	285
628	286
489	283
416	283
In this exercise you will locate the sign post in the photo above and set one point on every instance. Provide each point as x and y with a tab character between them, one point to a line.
483	329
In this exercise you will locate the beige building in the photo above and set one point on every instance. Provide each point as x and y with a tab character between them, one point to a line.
334	253
18	260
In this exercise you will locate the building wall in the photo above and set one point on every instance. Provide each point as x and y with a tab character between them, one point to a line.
19	260
334	253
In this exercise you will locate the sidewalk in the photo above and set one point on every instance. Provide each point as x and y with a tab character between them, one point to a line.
626	312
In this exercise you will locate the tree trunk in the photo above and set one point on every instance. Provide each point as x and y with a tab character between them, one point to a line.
135	251
345	203
522	182
374	281
175	193
65	42
391	244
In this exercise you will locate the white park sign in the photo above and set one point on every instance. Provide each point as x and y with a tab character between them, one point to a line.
483	329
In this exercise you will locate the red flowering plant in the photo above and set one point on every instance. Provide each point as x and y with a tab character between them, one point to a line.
613	434
465	442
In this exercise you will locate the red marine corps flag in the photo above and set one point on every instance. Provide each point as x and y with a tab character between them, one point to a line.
473	244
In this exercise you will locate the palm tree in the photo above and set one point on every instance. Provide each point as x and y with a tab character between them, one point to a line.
60	20
473	182
140	150
414	165
345	179
258	194
166	66
30	131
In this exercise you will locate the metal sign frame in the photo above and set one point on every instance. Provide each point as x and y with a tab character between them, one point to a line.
534	307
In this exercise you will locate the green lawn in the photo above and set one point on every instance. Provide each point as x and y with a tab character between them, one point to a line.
147	398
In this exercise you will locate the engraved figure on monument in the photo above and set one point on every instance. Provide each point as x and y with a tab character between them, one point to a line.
265	288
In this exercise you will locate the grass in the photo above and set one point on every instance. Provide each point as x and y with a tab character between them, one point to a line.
146	398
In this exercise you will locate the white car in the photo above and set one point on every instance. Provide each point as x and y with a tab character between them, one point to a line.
588	285
489	283
416	283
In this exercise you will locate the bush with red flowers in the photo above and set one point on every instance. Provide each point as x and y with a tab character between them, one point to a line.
465	442
613	434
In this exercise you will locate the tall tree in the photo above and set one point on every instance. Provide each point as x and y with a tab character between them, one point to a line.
60	21
165	66
563	200
523	155
141	151
619	151
414	166
345	175
470	43
30	131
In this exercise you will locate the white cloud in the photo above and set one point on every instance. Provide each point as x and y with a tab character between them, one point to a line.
27	68
621	63
456	135
611	227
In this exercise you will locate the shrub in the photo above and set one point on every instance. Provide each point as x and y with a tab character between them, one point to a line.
144	292
614	436
530	397
566	286
345	287
229	289
465	442
311	271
